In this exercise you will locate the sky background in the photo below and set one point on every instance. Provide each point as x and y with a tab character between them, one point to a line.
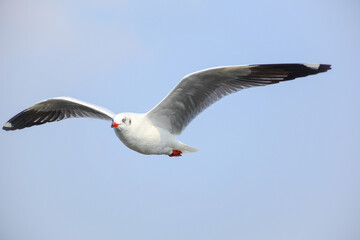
277	162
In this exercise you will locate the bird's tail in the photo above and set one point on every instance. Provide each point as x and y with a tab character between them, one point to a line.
187	149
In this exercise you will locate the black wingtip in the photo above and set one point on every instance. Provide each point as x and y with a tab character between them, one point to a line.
324	67
8	126
303	70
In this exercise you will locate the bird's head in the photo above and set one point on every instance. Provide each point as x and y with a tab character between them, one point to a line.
121	121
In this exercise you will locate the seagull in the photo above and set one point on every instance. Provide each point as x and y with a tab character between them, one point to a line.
155	131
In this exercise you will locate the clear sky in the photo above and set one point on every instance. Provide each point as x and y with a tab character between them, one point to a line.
278	162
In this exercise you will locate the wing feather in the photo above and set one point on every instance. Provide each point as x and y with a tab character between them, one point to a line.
198	90
56	109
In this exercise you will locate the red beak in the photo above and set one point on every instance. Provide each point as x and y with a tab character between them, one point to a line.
114	124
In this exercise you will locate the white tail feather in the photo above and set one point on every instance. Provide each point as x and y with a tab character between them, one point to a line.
187	149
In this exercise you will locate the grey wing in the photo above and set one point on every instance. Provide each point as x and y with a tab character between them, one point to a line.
198	90
56	109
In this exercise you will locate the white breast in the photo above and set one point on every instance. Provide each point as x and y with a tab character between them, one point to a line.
142	136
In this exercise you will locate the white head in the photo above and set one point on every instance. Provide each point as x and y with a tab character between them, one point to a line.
121	121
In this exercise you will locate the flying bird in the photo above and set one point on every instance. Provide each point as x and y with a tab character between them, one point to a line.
155	131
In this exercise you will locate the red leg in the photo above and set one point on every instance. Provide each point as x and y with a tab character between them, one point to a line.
175	153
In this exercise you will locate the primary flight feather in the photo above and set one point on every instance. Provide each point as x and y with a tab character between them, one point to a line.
154	132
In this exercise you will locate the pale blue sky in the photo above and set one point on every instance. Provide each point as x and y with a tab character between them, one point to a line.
276	162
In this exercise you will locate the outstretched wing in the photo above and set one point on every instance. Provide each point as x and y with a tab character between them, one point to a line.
198	90
56	109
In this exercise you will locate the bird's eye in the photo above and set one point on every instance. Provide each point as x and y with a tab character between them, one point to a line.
123	120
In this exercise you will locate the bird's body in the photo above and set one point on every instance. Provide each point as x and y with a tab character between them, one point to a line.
155	131
143	136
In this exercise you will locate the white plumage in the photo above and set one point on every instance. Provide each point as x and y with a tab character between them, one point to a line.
154	132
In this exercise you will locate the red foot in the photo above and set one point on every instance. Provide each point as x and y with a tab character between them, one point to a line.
175	153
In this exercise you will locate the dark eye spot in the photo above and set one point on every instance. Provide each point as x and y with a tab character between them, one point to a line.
123	120
130	121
